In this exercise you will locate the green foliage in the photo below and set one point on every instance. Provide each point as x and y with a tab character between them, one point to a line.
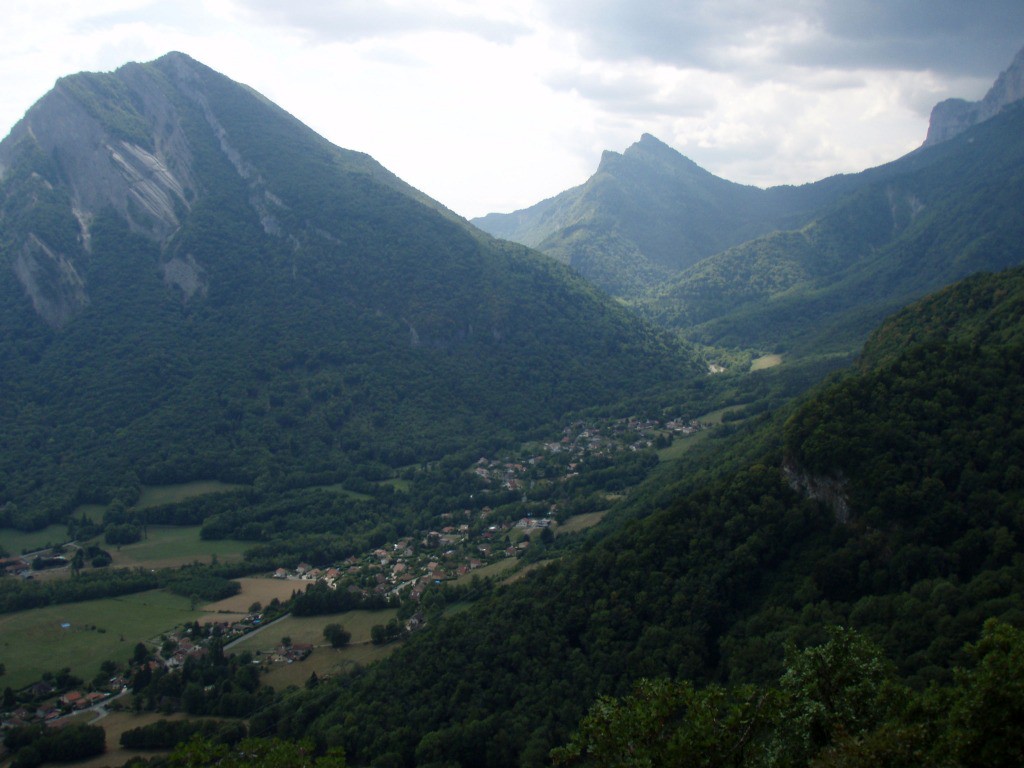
836	706
34	745
662	723
902	230
345	325
254	753
166	734
648	214
337	635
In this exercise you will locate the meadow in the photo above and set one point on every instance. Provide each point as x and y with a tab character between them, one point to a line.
765	361
166	546
18	542
36	641
158	495
325	660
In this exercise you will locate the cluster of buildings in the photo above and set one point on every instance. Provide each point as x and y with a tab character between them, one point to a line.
48	704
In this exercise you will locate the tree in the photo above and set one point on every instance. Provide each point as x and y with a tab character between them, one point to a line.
988	703
664	723
253	753
378	634
337	635
140	654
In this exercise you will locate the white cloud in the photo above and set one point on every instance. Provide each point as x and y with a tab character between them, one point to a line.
495	106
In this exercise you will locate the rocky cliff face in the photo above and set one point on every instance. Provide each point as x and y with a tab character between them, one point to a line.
142	171
954	116
831	491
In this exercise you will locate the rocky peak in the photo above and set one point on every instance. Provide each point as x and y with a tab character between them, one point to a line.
954	116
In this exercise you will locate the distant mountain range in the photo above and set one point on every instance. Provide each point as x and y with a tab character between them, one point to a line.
194	284
810	268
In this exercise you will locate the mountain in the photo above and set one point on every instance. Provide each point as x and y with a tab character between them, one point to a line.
887	501
649	213
954	116
907	228
194	284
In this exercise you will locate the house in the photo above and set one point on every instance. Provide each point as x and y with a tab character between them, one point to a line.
280	573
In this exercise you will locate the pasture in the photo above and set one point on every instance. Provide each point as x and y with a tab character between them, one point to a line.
580	522
18	542
167	546
158	495
765	361
324	660
35	641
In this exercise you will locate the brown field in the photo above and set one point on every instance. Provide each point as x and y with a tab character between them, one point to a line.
115	724
257	589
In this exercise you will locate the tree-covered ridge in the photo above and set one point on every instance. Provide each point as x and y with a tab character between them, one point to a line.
719	577
909	227
265	308
837	705
650	213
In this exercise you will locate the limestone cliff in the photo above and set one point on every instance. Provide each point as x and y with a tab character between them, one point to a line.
954	116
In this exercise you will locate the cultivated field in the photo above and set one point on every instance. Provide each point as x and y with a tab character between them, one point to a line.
256	589
168	546
35	641
117	723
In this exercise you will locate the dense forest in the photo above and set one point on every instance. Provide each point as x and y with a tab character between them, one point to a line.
297	317
830	575
713	584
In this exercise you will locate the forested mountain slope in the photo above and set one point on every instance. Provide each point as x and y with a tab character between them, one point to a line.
193	284
888	500
913	226
649	213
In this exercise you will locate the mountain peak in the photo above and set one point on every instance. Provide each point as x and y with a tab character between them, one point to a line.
954	116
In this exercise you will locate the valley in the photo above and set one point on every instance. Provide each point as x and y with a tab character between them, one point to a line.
289	451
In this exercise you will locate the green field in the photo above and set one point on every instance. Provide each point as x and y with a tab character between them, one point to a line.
765	361
167	546
158	495
580	522
495	569
17	542
682	443
324	660
341	490
33	641
310	629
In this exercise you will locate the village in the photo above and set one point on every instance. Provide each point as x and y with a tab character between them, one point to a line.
472	539
399	571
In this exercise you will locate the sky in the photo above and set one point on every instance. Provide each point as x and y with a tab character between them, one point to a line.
496	105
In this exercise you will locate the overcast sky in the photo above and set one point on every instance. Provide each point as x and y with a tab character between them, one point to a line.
493	106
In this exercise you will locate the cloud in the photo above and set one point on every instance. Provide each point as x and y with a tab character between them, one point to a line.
947	36
357	20
639	91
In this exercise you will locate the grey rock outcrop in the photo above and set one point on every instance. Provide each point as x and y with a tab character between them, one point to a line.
954	116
